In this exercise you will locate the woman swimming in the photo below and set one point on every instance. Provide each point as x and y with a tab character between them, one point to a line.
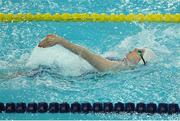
102	64
97	61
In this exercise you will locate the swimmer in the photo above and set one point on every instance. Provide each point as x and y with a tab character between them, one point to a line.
100	63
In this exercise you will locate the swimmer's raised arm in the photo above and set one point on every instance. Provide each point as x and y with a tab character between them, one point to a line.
100	63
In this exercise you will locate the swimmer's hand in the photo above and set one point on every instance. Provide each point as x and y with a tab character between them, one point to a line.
50	41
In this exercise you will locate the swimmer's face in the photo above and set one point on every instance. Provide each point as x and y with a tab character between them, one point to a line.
134	57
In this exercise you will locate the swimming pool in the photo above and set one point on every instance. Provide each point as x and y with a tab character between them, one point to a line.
59	77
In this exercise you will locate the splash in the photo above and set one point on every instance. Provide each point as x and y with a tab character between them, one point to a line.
143	39
71	64
57	56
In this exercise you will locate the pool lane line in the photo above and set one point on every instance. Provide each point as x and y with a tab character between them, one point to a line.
86	107
94	17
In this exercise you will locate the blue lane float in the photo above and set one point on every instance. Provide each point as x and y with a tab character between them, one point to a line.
75	107
97	107
54	107
10	108
42	107
151	108
31	107
129	107
64	107
2	107
173	108
118	107
86	107
141	108
108	107
162	108
20	107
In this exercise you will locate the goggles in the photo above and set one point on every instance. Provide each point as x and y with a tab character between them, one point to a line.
139	52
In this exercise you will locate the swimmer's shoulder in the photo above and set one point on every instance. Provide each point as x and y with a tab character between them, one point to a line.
123	64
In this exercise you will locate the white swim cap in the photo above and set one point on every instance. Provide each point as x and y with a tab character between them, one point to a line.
148	56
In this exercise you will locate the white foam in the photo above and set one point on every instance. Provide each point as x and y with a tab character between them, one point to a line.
144	39
69	63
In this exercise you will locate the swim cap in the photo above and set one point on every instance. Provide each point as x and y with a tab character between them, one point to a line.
148	56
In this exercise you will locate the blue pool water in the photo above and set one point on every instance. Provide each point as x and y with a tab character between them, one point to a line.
28	73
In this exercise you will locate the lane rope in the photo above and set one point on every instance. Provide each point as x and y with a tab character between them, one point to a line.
86	107
94	17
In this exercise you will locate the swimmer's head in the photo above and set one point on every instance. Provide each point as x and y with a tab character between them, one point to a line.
135	56
141	56
148	55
